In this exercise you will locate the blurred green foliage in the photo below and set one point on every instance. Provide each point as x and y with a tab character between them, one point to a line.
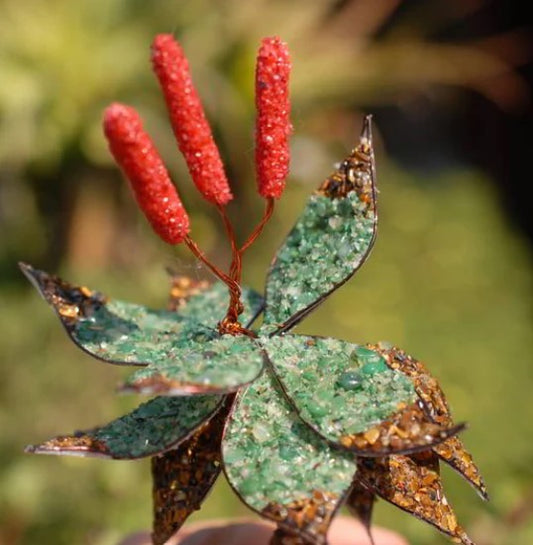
448	280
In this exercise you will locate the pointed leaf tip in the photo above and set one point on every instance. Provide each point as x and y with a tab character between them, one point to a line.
451	451
360	503
413	484
366	132
152	428
279	467
330	241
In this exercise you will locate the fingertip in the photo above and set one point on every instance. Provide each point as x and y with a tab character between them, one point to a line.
349	531
238	533
140	538
344	531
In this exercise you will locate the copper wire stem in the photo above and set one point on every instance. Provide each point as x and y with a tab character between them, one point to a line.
236	258
235	307
235	271
202	257
230	324
269	209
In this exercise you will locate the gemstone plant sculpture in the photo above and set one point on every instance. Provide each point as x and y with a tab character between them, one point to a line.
299	425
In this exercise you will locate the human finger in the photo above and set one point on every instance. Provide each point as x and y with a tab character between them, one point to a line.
344	531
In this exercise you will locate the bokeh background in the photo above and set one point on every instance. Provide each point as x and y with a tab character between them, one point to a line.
449	280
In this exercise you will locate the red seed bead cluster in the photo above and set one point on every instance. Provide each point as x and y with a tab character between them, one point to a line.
136	155
188	120
273	127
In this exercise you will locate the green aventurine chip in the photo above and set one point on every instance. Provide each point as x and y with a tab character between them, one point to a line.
275	462
150	429
222	364
337	387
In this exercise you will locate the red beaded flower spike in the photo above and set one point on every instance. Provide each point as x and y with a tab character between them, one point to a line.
151	184
299	425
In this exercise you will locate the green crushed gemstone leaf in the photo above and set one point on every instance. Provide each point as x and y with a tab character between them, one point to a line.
151	428
337	387
328	243
270	455
131	334
222	364
210	306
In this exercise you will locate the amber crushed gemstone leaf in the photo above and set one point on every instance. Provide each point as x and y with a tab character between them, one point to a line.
303	521
360	503
182	288
451	451
457	457
182	477
407	431
426	386
413	484
356	173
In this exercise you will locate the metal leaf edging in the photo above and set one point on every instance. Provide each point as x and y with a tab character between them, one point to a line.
221	365
452	451
279	467
182	477
329	242
360	503
152	428
349	395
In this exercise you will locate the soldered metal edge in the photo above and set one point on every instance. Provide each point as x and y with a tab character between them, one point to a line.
71	302
159	384
413	484
78	444
182	477
303	521
451	451
408	430
360	503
